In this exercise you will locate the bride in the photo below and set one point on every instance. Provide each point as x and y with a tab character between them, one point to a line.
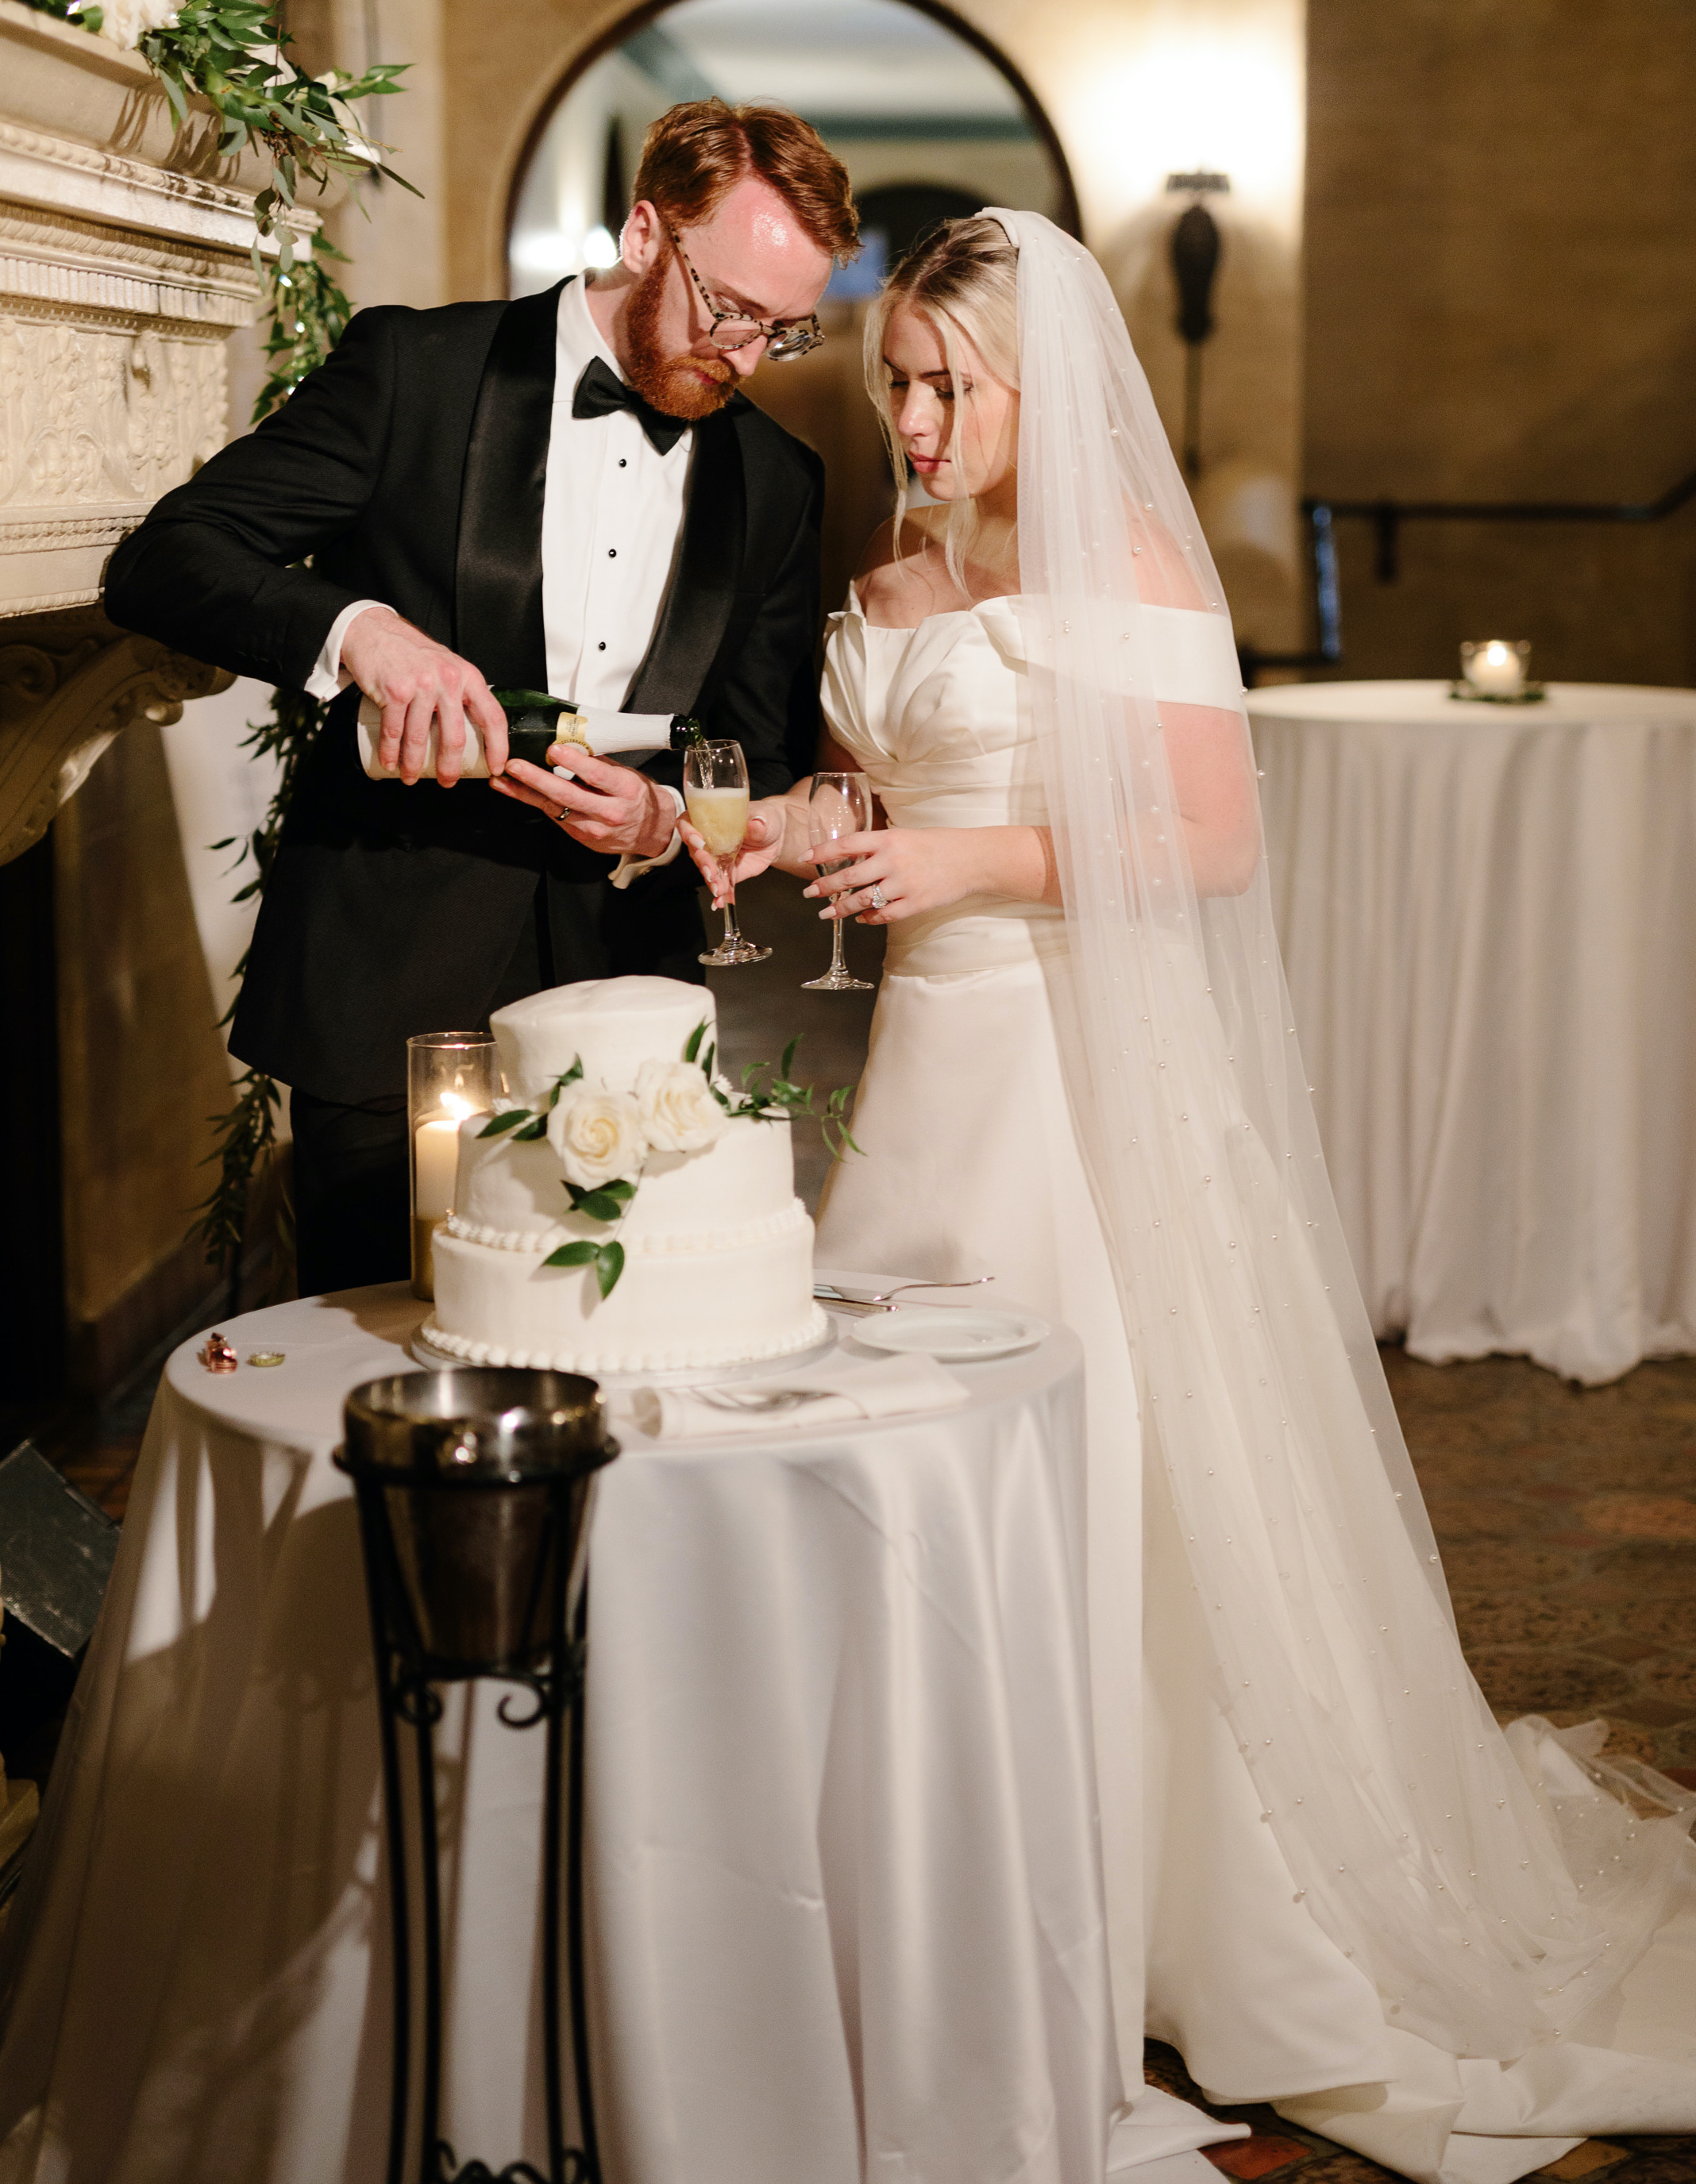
1332	1882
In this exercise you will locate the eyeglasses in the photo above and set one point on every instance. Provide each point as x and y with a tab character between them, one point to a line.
735	330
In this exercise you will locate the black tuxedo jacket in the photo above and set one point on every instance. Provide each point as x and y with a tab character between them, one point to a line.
410	467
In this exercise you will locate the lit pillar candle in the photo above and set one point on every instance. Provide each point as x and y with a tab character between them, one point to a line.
435	1170
450	1075
438	1166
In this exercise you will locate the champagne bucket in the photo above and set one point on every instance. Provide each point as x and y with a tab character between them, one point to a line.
475	1484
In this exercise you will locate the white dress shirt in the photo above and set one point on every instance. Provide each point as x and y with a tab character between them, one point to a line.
612	510
612	514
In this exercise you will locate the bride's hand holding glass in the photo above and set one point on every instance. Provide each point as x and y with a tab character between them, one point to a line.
903	872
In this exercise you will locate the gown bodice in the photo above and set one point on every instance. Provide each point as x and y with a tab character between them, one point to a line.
939	716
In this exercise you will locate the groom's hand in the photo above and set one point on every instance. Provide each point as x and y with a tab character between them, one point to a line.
417	681
610	808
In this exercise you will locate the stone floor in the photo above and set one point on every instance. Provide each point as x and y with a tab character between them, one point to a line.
1567	1521
1566	1516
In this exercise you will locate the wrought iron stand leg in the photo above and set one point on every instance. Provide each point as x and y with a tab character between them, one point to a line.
574	1894
399	1917
552	1850
429	2168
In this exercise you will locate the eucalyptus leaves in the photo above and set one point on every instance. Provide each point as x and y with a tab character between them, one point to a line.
603	1139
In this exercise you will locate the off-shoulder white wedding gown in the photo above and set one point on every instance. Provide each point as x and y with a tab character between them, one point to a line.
972	1165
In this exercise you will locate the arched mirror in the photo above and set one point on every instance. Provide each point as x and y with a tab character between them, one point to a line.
929	122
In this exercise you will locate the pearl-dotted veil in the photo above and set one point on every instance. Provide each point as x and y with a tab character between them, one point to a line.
1488	1901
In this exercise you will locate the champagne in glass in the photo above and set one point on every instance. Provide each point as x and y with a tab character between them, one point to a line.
838	805
716	793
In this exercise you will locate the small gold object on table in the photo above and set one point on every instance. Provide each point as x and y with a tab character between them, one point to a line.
1493	673
449	1074
266	1356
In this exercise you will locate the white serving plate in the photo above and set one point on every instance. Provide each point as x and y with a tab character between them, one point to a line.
955	1333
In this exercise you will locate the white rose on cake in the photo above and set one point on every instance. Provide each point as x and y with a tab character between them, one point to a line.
678	1111
598	1136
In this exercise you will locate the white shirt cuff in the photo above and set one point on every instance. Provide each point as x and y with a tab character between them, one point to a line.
328	676
630	868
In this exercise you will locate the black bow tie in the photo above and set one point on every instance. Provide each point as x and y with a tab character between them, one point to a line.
600	391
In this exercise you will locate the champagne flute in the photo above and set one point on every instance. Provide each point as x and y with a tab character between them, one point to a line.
716	793
839	805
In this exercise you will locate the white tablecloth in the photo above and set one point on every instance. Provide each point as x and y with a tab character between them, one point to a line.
843	1882
1488	918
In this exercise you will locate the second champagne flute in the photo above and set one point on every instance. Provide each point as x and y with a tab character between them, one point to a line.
838	805
716	793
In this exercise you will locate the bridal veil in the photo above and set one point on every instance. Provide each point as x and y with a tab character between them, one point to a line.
1489	1901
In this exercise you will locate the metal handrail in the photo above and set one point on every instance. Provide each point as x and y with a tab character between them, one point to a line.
1388	515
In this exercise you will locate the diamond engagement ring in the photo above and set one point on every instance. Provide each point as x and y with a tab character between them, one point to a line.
878	899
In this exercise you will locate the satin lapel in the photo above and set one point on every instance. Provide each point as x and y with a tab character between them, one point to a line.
498	570
702	593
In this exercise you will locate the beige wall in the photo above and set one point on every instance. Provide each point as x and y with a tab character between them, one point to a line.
1501	304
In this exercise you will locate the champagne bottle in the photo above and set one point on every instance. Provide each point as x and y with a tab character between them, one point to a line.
535	721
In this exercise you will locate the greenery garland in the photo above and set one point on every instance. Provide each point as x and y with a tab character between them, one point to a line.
233	54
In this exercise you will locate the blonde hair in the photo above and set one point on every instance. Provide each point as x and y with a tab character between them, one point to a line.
964	278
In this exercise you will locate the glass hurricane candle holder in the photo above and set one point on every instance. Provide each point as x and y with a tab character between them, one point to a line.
1493	667
449	1074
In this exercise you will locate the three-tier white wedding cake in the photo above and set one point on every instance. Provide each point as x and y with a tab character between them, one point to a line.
683	1243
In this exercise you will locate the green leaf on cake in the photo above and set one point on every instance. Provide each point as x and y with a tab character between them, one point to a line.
509	1120
605	1203
788	1061
609	1264
691	1046
537	1129
565	1076
574	1255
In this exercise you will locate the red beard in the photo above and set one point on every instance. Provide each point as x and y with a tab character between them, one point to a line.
683	385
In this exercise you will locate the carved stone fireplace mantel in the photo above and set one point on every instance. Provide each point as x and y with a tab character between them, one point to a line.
125	265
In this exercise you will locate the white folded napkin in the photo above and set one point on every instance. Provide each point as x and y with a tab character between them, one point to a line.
838	1393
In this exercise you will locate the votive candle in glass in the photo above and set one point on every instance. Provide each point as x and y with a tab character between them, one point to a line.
450	1075
1496	668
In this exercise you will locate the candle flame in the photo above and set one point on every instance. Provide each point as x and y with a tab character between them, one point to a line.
457	1108
1495	654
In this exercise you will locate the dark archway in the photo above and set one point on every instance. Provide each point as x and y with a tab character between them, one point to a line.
904	212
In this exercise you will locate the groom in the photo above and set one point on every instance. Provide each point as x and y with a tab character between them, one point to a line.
567	492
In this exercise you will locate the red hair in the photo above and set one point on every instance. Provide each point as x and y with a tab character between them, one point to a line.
694	155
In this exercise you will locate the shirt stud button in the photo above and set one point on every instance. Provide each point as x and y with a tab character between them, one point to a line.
601	647
612	552
622	464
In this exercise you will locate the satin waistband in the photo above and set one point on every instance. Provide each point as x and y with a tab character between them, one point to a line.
974	936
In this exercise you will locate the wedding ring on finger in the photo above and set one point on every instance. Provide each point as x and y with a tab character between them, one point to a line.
879	900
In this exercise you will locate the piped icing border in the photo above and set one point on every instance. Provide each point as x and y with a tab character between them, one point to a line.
474	1353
